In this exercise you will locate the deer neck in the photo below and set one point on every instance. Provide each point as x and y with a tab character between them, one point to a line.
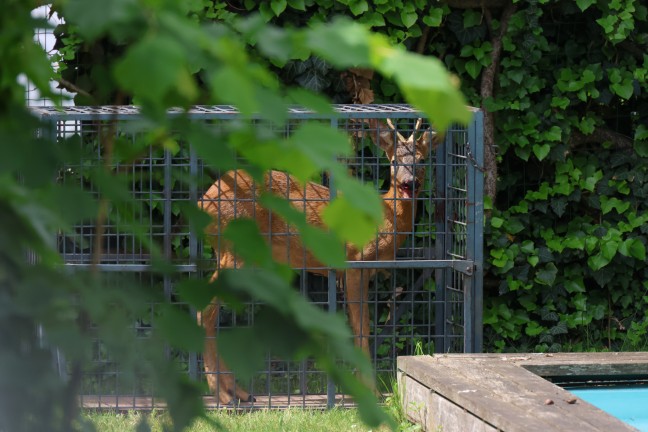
398	212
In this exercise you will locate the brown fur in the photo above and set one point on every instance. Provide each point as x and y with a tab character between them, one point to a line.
235	195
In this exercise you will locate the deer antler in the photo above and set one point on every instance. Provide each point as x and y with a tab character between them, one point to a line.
393	128
412	137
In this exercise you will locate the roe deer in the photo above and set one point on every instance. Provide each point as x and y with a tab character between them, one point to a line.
234	195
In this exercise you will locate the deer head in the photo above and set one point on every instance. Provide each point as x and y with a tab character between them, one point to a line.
406	155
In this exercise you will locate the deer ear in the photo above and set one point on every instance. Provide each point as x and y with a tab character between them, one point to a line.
382	136
386	142
424	141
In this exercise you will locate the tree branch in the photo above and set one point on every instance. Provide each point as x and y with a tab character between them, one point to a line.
72	88
422	42
487	91
599	136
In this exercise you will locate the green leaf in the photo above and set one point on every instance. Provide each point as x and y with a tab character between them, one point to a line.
275	43
212	147
597	262
434	17
180	328
534	329
246	359
473	67
547	275
297	4
584	4
541	151
342	43
609	249
358	7
408	18
527	247
424	82
94	18
349	222
637	250
360	195
321	143
311	100
162	54
624	89
471	18
278	6
248	242
580	302
197	292
325	246
553	134
230	85
573	286
497	222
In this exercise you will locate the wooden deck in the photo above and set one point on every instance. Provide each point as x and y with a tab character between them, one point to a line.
144	403
489	392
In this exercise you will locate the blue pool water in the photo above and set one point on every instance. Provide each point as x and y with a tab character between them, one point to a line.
630	404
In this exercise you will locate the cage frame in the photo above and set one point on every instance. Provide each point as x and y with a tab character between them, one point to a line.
444	269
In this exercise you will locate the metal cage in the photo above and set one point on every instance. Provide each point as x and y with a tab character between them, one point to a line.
428	299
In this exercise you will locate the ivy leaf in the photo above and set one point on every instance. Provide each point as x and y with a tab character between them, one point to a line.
359	7
597	262
584	4
624	89
278	6
434	17
637	250
547	275
559	205
496	222
553	134
409	18
473	67
297	4
541	151
609	249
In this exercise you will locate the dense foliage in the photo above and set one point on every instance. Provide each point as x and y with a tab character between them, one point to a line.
163	56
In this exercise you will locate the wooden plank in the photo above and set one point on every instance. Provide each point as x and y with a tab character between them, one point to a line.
499	390
434	412
474	396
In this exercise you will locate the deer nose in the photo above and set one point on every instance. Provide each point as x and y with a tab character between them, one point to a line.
411	186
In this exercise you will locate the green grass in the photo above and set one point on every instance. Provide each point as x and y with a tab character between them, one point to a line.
336	420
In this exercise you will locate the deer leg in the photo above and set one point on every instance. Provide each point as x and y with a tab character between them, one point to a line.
357	296
219	377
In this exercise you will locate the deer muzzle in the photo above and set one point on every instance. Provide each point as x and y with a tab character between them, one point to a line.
410	188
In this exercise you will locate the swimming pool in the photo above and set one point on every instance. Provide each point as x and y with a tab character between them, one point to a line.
629	404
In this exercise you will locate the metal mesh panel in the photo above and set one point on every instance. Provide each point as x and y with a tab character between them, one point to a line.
424	289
